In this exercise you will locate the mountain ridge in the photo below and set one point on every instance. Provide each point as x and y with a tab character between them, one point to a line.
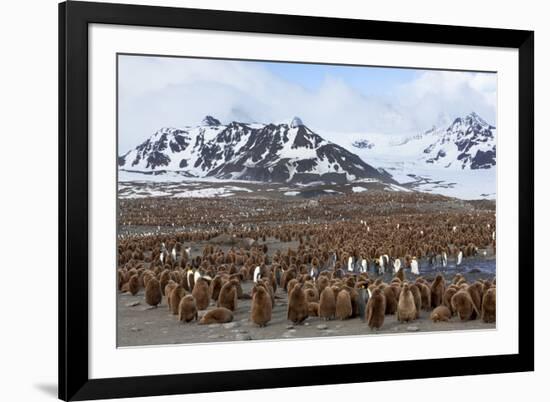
284	152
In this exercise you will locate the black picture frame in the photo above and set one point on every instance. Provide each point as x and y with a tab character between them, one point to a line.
74	18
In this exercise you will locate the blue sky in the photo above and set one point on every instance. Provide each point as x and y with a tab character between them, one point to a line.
369	80
156	92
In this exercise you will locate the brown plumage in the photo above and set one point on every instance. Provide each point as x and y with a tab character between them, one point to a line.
147	276
312	295
153	295
322	283
406	307
163	279
376	309
132	286
425	296
354	296
216	286
489	305
200	293
327	304
343	305
290	284
438	290
167	289
441	313
260	313
218	315
268	287
391	300
297	305
396	288
400	274
417	298
457	278
228	295
287	276
187	309
476	293
447	296
313	309
174	298
463	305
120	279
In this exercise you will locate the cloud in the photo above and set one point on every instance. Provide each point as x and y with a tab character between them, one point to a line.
156	92
436	97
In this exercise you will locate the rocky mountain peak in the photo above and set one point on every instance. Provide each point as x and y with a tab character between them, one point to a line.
210	121
296	122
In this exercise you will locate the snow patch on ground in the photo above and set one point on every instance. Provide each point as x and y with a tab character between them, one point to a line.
402	156
204	193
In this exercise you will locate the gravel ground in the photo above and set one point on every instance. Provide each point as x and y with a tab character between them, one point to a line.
138	324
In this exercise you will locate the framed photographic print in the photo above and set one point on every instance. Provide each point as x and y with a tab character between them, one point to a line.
258	200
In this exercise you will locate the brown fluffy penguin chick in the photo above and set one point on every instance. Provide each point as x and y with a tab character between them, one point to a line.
476	293
175	276
457	278
461	282
120	278
489	305
425	296
343	305
187	309
260	313
153	295
216	287
441	313
322	283
287	276
297	305
463	305
132	286
228	295
163	279
406	307
147	276
400	274
376	309
312	295
240	293
313	309
290	285
175	297
417	298
354	295
218	315
327	304
391	300
396	287
447	296
438	290
200	293
167	289
268	288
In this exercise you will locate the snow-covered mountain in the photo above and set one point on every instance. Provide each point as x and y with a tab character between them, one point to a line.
362	144
468	143
457	159
284	153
